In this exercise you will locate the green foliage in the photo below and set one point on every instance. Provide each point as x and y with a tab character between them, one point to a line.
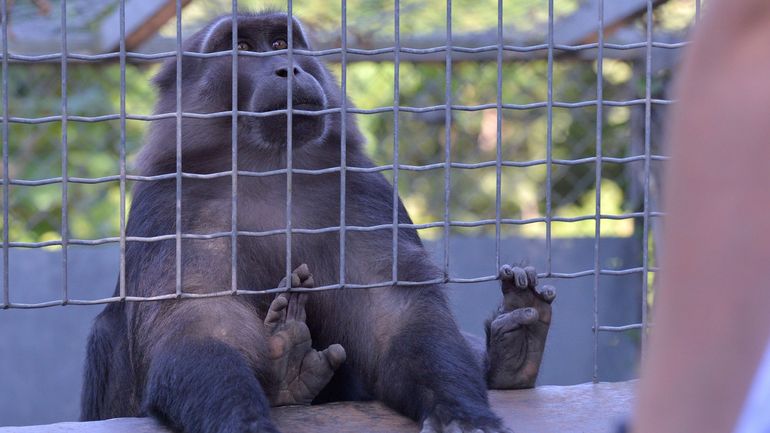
94	147
369	19
35	150
474	139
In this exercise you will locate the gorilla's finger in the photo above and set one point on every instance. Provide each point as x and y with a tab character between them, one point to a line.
514	274
546	293
301	315
335	355
512	320
520	279
277	311
293	311
531	275
295	280
302	271
506	272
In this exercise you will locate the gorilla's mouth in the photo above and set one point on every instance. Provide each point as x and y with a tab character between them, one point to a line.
298	103
306	127
308	106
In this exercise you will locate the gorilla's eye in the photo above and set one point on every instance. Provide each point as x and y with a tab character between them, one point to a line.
244	46
280	44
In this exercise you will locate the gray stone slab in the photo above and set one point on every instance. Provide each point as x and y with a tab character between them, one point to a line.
586	408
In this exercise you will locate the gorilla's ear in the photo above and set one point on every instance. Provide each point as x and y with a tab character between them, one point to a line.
165	79
309	42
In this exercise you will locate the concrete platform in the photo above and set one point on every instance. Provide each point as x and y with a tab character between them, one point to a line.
586	408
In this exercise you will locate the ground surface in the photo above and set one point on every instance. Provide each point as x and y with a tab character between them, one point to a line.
586	408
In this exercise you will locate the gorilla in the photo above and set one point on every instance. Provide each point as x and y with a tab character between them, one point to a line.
218	363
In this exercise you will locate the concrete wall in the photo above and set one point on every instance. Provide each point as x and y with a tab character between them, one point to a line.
41	351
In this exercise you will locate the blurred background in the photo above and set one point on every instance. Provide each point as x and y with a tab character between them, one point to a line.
41	350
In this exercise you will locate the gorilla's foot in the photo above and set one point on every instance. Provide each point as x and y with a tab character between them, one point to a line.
516	335
300	371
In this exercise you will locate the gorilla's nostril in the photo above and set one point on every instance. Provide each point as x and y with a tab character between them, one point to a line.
284	72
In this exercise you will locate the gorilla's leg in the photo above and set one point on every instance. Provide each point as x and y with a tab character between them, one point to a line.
300	371
516	334
403	344
425	369
208	369
108	381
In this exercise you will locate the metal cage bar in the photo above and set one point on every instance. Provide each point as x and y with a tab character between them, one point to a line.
447	136
406	167
499	133
396	111
598	226
178	177
566	48
64	157
448	107
474	223
234	152
343	141
245	292
549	143
6	181
289	143
647	168
122	150
377	110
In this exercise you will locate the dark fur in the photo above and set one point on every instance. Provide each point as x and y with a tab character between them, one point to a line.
200	365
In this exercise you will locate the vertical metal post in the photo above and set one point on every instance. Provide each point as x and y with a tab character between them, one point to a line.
122	162
64	155
447	135
549	144
178	209
647	161
289	144
6	177
697	11
598	210
499	156
396	111
234	156
343	140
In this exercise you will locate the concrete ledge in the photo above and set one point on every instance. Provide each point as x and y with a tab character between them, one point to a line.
586	408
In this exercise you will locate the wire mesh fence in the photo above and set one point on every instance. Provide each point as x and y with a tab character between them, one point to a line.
583	167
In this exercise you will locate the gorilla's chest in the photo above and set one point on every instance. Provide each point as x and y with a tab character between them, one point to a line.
310	204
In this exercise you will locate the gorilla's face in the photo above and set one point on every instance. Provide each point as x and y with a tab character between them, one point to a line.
262	83
266	81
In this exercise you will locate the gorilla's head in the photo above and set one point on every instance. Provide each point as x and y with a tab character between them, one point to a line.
262	86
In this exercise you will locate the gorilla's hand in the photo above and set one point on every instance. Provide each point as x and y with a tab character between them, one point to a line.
516	337
300	371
